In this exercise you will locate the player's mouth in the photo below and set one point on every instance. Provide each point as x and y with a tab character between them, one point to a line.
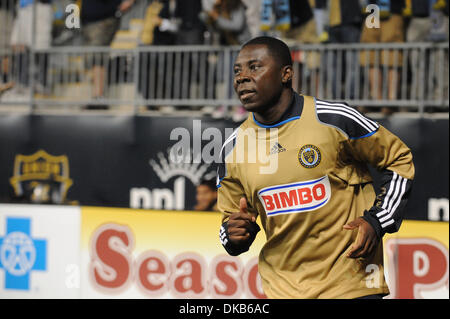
246	94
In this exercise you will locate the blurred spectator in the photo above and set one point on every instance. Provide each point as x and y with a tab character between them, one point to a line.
152	20
419	25
169	22
160	28
302	29
275	15
23	30
321	17
191	28
391	29
167	26
439	18
418	30
173	22
24	35
253	13
7	19
100	20
345	18
191	32
439	33
228	18
206	196
294	22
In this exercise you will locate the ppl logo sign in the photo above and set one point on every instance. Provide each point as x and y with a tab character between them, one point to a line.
296	197
20	254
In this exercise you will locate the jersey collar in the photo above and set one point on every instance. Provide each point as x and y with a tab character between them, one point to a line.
292	113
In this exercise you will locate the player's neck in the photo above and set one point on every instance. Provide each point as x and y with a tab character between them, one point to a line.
274	112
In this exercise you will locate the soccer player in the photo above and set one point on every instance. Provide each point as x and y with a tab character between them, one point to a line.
322	220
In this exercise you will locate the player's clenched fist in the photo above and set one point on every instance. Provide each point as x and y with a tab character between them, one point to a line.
238	233
240	224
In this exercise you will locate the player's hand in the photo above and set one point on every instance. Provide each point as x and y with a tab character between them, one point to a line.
366	240
239	224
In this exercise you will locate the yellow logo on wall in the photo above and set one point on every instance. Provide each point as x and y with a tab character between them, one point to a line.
41	177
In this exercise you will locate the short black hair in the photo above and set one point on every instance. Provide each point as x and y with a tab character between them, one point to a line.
277	48
210	183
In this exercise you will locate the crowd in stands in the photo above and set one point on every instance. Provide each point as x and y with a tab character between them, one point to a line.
223	22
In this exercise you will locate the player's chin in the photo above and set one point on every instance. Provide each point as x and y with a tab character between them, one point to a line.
251	106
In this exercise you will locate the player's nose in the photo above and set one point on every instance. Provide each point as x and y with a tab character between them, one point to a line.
241	78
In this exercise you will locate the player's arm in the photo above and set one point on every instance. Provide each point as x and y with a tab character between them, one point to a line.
371	143
239	227
393	159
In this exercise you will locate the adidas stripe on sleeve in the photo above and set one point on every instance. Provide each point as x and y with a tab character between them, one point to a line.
345	118
387	213
396	191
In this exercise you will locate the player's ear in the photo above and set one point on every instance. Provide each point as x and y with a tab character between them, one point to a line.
287	74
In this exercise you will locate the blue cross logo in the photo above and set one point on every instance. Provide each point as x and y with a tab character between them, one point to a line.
20	254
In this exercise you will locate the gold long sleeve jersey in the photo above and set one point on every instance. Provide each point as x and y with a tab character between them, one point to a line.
306	177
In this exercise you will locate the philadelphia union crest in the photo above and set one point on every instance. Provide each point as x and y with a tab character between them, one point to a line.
309	156
41	177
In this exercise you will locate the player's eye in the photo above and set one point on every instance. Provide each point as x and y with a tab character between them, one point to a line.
254	67
236	71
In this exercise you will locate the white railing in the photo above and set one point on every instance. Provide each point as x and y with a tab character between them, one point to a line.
202	75
412	76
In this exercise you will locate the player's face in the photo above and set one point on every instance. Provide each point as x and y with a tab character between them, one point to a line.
257	78
205	196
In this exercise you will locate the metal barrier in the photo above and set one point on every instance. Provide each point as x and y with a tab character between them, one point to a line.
414	77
